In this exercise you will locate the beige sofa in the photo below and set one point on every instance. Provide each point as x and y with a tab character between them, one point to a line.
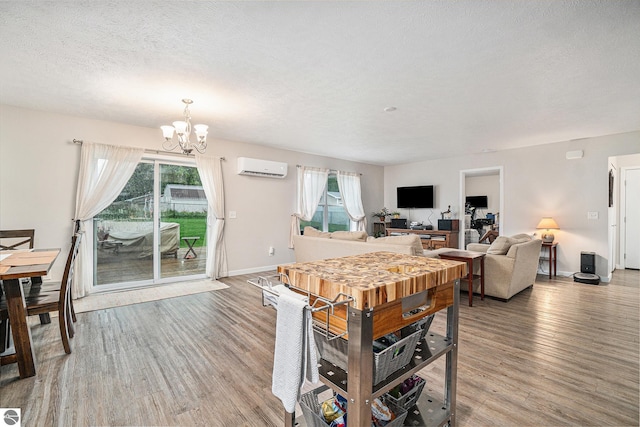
315	245
511	263
510	266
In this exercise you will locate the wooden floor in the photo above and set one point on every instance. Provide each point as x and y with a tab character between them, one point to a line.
560	354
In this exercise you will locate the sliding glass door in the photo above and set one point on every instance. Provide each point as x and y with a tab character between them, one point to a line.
154	231
183	222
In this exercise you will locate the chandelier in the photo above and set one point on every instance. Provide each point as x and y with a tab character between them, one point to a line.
182	129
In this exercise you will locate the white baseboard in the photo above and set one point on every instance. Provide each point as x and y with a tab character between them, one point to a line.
253	270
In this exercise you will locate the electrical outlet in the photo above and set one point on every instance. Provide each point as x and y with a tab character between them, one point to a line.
232	214
592	215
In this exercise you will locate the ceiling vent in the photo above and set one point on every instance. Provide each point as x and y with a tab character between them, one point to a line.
264	168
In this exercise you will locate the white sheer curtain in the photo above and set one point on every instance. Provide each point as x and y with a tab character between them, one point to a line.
210	173
311	183
349	185
104	171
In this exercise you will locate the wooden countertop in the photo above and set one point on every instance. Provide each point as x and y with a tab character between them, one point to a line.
372	279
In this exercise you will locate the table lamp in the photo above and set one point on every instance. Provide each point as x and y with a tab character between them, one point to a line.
547	223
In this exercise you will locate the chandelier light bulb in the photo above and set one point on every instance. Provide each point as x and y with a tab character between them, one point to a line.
167	132
201	131
181	127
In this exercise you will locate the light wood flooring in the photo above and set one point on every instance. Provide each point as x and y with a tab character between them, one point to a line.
560	354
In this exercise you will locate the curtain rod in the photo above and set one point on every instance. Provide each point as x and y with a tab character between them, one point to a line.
149	151
330	170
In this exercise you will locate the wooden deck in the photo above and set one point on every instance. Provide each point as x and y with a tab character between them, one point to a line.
130	266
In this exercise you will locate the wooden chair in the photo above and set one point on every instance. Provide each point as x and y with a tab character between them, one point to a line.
8	242
16	234
10	237
51	300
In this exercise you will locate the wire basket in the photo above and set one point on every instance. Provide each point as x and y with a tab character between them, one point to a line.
409	399
311	408
421	325
385	363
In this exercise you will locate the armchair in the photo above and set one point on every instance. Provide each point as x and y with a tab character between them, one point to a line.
510	266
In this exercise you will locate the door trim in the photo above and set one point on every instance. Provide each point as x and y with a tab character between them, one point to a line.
622	215
480	172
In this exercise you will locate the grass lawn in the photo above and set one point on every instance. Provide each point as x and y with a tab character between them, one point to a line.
318	226
190	227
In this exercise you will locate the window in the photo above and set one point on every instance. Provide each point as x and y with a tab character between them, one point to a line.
330	215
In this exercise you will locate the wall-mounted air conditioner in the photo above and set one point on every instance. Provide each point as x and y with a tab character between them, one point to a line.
265	168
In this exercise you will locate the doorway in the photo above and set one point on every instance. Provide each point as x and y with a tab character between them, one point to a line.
474	174
630	213
154	231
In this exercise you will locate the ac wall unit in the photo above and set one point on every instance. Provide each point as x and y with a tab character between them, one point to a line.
265	168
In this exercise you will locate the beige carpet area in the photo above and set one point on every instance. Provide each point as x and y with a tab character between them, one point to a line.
153	293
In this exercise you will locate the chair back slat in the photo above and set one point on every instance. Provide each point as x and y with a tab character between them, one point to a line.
67	277
11	235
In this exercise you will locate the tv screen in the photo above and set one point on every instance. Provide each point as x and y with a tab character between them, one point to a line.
415	197
478	202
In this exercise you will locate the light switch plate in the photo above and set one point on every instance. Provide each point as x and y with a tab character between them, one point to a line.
592	215
232	214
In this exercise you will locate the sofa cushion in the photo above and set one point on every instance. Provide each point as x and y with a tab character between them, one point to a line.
405	239
349	235
501	245
312	232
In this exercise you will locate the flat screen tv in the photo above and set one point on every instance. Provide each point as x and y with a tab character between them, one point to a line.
480	202
415	197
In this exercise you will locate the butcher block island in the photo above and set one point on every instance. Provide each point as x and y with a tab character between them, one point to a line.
390	291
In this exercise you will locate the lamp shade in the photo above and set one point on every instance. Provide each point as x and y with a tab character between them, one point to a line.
201	131
167	131
548	223
181	127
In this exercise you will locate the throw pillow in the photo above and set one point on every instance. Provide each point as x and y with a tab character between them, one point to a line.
349	235
406	239
501	245
312	232
521	238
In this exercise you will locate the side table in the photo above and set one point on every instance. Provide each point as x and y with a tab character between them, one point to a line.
468	257
553	256
190	241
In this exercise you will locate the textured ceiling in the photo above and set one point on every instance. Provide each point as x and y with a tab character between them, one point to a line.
465	76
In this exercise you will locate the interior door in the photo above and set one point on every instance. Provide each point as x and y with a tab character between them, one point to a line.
632	218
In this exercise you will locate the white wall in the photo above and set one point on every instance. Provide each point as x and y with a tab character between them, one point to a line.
39	167
538	181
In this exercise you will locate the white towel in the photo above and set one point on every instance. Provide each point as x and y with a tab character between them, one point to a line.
295	357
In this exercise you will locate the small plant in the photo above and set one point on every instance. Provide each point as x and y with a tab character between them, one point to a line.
382	213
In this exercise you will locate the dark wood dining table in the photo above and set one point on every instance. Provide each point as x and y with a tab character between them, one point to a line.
16	265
